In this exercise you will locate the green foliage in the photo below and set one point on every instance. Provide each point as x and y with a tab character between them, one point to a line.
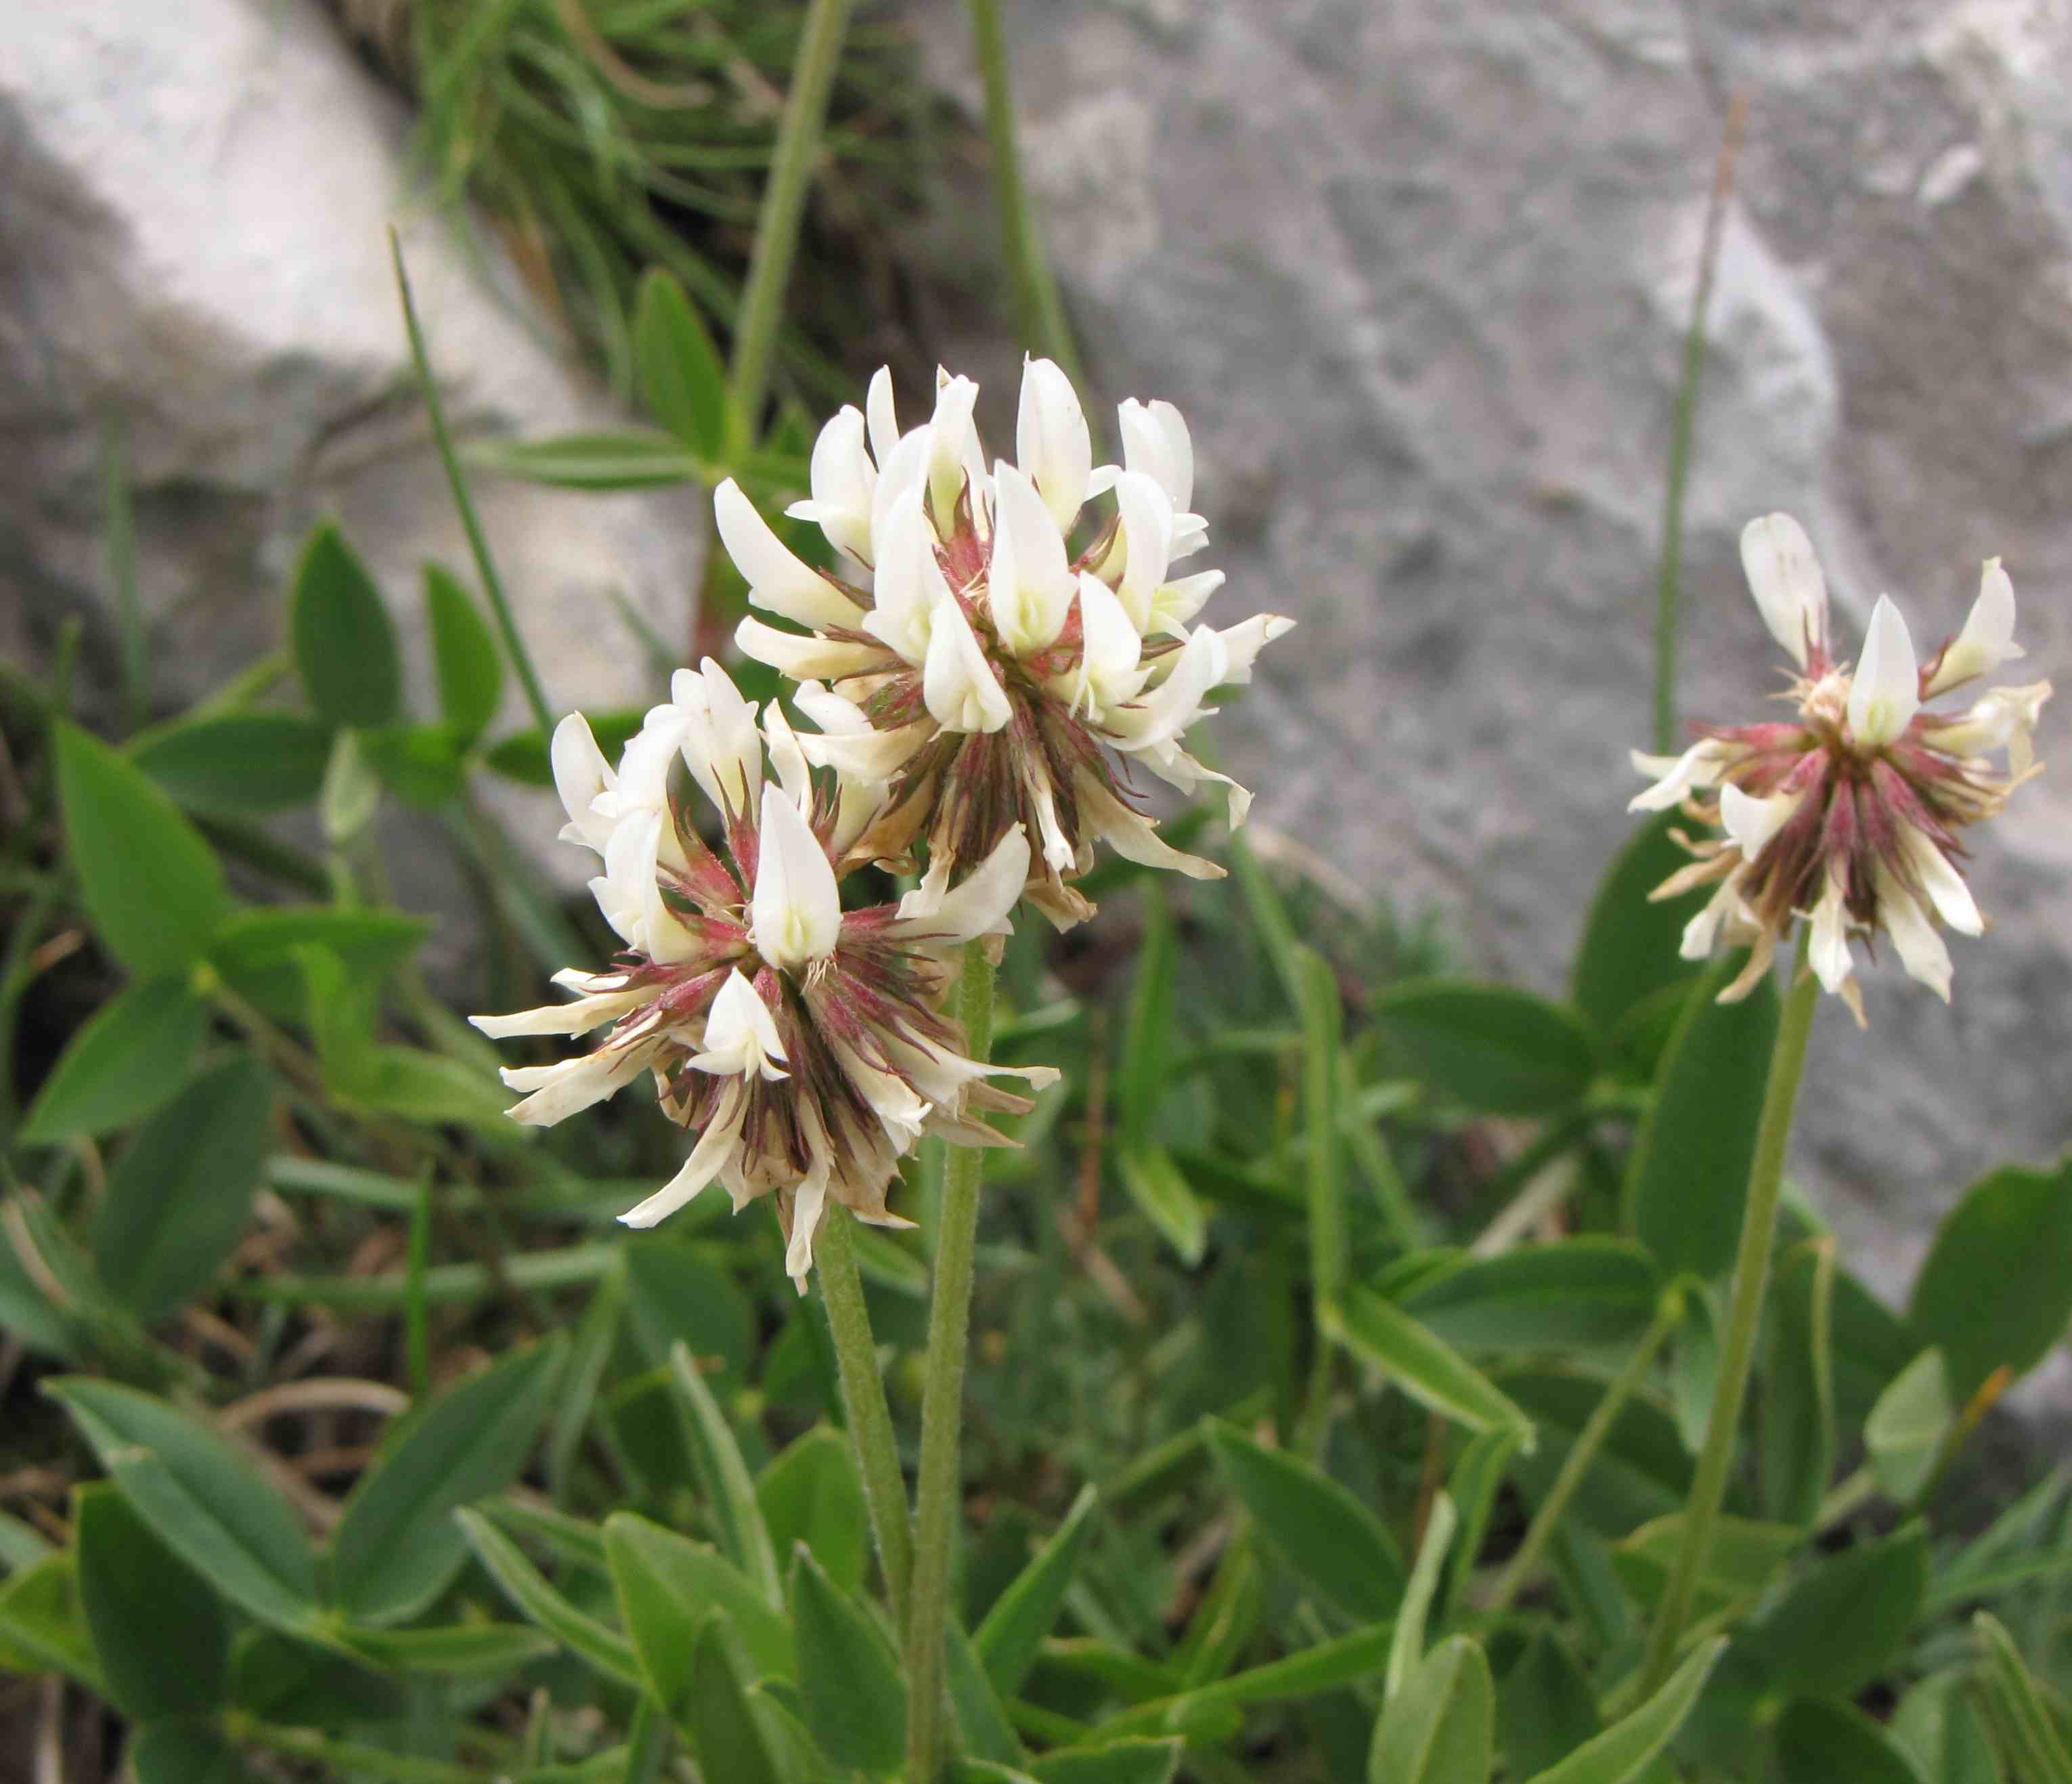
1994	1291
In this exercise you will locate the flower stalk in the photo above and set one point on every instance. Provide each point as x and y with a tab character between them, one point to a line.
869	1418
937	1492
1751	1279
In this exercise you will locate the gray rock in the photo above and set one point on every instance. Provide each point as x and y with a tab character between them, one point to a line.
1418	274
195	206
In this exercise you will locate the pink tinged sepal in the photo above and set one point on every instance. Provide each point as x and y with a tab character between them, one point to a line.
978	905
795	915
778	580
1884	693
1922	951
581	774
957	684
1051	441
1784	576
1987	639
716	1148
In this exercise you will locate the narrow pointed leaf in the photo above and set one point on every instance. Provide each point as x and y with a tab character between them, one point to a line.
605	1650
344	641
682	380
159	1632
1625	1750
1427	1369
134	1053
730	1743
848	1678
1439	1727
728	1491
668	1585
464	656
1008	1640
1496	1050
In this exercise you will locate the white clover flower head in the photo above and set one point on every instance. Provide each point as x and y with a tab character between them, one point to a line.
1847	815
994	653
805	1043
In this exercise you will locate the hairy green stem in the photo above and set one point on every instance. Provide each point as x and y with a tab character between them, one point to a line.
783	205
1039	314
1583	1451
937	1494
863	1400
1669	575
1751	1278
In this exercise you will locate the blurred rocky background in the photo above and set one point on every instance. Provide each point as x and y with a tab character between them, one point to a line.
1417	273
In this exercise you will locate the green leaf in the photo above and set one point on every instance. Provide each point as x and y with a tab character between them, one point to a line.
1624	1750
464	656
1842	1623
257	951
1407	1643
681	378
396	1546
522	756
1628	951
1337	1546
1497	1050
463	1650
1641	1471
239	764
1824	1743
134	1051
1996	1292
1429	1370
728	1740
848	1678
667	1585
153	888
186	1753
180	1196
2017	1709
344	641
1327	1666
1545	1708
604	1649
1686	1177
592	461
810	1493
1909	1426
350	796
1136	1761
1439	1728
679	1294
981	1717
1143	1069
1161	1195
159	1630
42	1623
1578	1292
310	1682
423	765
1478	1474
207	1501
716	1455
1744	1558
1937	1728
1008	1640
1797	1454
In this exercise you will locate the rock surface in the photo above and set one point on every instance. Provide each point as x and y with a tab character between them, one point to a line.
195	206
1418	274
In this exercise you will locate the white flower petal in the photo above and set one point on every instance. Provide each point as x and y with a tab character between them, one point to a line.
843	481
1109	673
578	1016
977	905
1699	766
1885	692
1940	880
1829	953
1987	639
722	746
1174	606
2002	719
741	1034
806	659
1145	539
1051	441
953	453
884	422
574	1086
1785	578
868	755
1155	441
957	683
716	1147
778	581
789	761
1699	932
795	915
1751	822
903	469
1922	951
909	579
1029	586
1242	642
580	773
1132	835
1162	714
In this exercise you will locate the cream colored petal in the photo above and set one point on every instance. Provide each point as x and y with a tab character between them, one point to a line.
1922	951
1940	880
778	581
574	1086
1885	692
795	915
1699	766
1146	540
575	1018
1132	835
1751	822
978	905
1174	606
716	1148
793	775
1829	953
1784	576
741	1034
807	659
910	583
1987	639
1243	641
882	419
958	684
580	773
1029	586
1051	441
